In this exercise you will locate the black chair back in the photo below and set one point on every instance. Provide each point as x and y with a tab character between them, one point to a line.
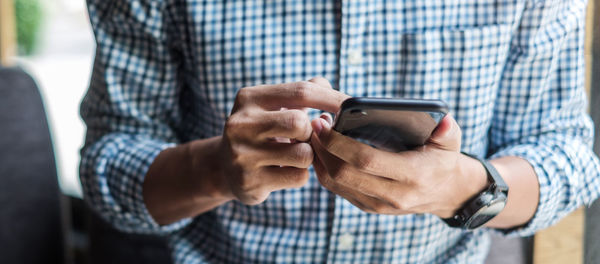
30	226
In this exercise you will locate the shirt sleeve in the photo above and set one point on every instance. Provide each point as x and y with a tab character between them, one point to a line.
130	109
540	114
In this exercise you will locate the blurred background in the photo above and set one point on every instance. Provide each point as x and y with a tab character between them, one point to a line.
46	53
47	49
56	46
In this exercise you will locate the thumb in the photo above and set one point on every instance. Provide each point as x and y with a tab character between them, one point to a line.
323	123
447	135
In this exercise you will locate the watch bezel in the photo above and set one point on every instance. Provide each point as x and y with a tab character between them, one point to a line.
469	223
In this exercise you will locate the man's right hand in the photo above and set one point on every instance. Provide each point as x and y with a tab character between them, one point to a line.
246	163
265	146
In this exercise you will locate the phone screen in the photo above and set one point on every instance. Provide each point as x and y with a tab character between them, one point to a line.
390	130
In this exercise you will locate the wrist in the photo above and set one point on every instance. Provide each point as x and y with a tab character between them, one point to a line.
206	174
474	179
485	204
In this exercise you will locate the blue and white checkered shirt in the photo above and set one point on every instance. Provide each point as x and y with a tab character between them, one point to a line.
167	72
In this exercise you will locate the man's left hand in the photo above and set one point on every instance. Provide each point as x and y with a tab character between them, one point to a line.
435	178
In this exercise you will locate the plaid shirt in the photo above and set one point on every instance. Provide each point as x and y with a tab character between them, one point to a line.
167	72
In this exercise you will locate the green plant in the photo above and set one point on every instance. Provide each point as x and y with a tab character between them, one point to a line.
28	14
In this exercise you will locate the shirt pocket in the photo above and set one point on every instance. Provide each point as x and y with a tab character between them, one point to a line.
461	66
439	63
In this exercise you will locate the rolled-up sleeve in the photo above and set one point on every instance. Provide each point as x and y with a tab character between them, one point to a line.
540	114
130	110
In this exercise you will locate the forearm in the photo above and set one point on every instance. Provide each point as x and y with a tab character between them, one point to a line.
548	127
523	195
183	182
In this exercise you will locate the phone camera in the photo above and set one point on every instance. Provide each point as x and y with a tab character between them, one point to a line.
358	112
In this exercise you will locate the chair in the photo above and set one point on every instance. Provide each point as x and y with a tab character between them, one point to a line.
30	222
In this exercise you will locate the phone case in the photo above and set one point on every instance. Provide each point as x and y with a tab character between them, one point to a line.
391	124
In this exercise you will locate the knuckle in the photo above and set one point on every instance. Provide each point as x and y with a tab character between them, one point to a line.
240	124
302	90
245	185
403	202
243	95
240	163
255	198
325	180
397	205
321	81
421	182
234	125
380	208
231	126
341	173
305	154
365	160
301	179
236	157
296	120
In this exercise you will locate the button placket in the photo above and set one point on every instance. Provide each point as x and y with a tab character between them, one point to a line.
353	26
355	57
352	59
346	241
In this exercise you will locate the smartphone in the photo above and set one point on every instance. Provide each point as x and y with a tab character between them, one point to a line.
391	124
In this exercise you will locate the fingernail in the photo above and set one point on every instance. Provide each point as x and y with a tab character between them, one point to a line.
325	124
327	118
317	127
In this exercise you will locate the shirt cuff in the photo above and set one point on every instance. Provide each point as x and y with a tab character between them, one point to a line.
119	171
560	182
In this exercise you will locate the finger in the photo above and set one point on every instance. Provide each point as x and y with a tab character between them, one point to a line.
371	204
342	174
363	201
291	140
324	163
327	117
292	124
447	135
316	124
304	109
260	126
294	95
321	81
279	178
298	155
361	156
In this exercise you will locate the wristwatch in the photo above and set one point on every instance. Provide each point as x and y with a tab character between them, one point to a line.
486	205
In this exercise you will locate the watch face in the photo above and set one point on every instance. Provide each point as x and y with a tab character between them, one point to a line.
485	214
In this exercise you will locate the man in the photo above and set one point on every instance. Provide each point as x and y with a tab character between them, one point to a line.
177	146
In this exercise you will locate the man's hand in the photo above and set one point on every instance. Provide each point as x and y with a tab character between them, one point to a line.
264	146
435	178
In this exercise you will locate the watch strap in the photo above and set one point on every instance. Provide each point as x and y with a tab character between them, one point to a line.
493	175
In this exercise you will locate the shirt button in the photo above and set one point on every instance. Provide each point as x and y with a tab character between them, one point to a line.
355	57
346	241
